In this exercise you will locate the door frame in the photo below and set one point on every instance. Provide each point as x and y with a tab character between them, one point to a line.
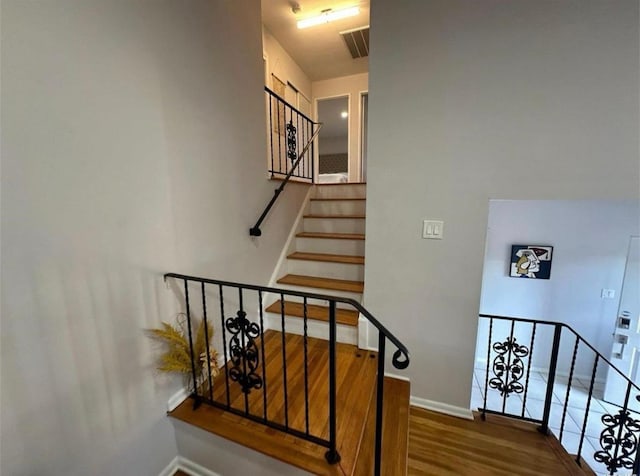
316	155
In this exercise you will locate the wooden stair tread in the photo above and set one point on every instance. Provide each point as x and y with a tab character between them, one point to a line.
346	259
319	313
395	431
322	283
340	183
337	199
355	377
358	217
333	236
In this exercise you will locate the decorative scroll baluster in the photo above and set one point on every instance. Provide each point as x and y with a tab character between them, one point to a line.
244	359
292	145
508	373
619	439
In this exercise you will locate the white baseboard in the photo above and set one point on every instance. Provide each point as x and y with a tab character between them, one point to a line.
187	466
171	468
194	469
363	332
177	398
369	348
397	377
440	407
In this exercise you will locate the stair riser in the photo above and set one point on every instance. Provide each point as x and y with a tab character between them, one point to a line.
337	207
340	191
317	329
335	225
324	269
330	292
331	246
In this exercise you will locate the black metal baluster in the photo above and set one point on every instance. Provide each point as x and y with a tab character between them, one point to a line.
244	328
379	403
306	369
206	340
553	362
586	412
284	364
526	385
508	372
308	158
271	132
280	131
305	132
196	397
313	157
264	356
486	375
224	345
301	138
566	398
332	455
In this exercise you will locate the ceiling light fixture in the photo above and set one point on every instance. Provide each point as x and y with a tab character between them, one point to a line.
344	114
328	15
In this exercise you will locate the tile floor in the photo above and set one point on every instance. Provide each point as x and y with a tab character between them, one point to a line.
574	417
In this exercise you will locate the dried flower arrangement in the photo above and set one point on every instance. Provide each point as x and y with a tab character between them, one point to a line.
177	357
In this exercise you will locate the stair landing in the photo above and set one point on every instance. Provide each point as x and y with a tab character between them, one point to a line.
356	373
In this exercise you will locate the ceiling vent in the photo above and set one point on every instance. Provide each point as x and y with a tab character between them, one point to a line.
357	41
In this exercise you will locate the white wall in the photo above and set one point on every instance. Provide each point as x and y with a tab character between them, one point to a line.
334	145
477	100
283	66
590	240
225	457
353	86
132	145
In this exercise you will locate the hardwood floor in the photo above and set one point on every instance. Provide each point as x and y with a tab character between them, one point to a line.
356	370
446	446
395	432
438	445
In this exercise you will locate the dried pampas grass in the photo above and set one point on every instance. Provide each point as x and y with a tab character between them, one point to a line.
177	357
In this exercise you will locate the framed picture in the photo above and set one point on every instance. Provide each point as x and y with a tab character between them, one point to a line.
530	261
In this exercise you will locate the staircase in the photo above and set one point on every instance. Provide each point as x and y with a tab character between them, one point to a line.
294	384
326	256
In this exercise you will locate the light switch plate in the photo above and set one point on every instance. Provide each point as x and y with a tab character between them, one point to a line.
608	293
432	229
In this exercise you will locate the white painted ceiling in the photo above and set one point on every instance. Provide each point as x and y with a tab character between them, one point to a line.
319	50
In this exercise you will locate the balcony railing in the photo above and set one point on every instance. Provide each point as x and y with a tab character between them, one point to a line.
545	373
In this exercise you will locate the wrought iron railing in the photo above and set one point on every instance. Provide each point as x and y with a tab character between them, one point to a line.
243	377
288	127
289	131
546	373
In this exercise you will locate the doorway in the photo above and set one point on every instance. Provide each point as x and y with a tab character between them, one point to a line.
364	121
625	353
333	140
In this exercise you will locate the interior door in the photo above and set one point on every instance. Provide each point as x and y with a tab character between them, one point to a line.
625	354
